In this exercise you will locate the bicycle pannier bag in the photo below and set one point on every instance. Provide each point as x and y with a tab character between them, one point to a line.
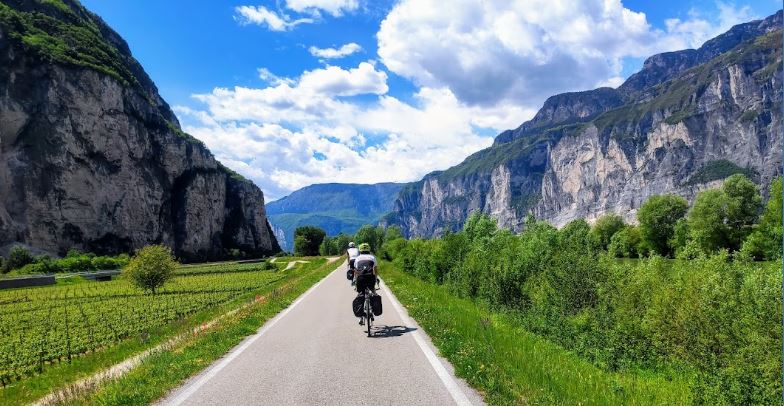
357	305
375	303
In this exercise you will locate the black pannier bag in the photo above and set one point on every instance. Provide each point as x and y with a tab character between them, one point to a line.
375	304
349	274
357	305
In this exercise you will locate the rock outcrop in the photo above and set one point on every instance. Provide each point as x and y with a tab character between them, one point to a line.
92	158
683	123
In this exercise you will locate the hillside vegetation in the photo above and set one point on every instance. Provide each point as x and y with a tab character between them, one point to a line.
711	319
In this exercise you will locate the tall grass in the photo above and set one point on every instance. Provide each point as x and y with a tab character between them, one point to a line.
510	365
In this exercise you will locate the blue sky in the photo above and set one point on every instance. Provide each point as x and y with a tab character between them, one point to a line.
417	87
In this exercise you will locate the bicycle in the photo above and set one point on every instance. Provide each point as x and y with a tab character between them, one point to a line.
368	309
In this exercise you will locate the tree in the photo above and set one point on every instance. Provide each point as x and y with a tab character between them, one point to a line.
766	241
625	243
479	227
307	240
152	266
370	235
707	220
743	207
680	236
657	217
723	218
575	232
605	227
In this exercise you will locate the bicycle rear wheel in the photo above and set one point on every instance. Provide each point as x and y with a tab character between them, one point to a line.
368	315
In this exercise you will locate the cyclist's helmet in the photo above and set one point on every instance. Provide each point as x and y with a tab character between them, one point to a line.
351	244
364	247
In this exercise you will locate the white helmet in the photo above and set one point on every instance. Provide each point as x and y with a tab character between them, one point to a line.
351	244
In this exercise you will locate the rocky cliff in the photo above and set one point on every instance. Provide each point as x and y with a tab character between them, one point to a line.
92	158
683	123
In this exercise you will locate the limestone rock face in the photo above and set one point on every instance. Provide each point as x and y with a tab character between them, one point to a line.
682	124
97	161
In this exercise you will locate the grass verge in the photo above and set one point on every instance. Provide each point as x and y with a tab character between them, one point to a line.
166	370
510	365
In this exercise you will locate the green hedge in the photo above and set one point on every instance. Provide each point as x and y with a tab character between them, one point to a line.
711	315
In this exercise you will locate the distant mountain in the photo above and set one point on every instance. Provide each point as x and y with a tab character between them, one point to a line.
91	156
684	122
335	207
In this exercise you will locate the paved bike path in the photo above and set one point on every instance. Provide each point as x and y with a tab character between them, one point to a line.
315	353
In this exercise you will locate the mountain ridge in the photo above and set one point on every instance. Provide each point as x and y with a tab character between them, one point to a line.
334	207
574	158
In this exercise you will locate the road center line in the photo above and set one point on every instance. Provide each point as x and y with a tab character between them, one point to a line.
446	378
210	373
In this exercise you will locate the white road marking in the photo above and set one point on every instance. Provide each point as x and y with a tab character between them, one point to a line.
454	390
209	374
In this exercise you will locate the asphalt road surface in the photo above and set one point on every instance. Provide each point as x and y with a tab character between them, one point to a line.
315	353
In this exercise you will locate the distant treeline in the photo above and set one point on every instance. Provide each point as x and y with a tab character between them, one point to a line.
309	240
22	262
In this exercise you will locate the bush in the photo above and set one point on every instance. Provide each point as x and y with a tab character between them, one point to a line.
715	318
17	258
152	266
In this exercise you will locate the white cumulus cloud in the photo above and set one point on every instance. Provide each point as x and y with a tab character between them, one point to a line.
290	135
260	15
331	53
333	7
523	51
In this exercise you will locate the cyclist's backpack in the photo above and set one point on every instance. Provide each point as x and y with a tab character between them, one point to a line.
365	266
357	306
375	304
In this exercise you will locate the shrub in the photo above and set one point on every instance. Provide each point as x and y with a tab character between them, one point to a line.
17	258
72	264
151	267
658	216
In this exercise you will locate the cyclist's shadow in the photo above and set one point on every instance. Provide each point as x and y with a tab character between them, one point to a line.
384	331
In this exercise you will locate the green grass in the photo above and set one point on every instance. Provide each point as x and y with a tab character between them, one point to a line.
69	39
164	371
59	374
510	365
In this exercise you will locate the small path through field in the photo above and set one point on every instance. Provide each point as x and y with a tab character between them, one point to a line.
314	353
292	264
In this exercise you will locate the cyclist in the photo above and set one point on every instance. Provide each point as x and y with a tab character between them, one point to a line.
365	271
351	254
